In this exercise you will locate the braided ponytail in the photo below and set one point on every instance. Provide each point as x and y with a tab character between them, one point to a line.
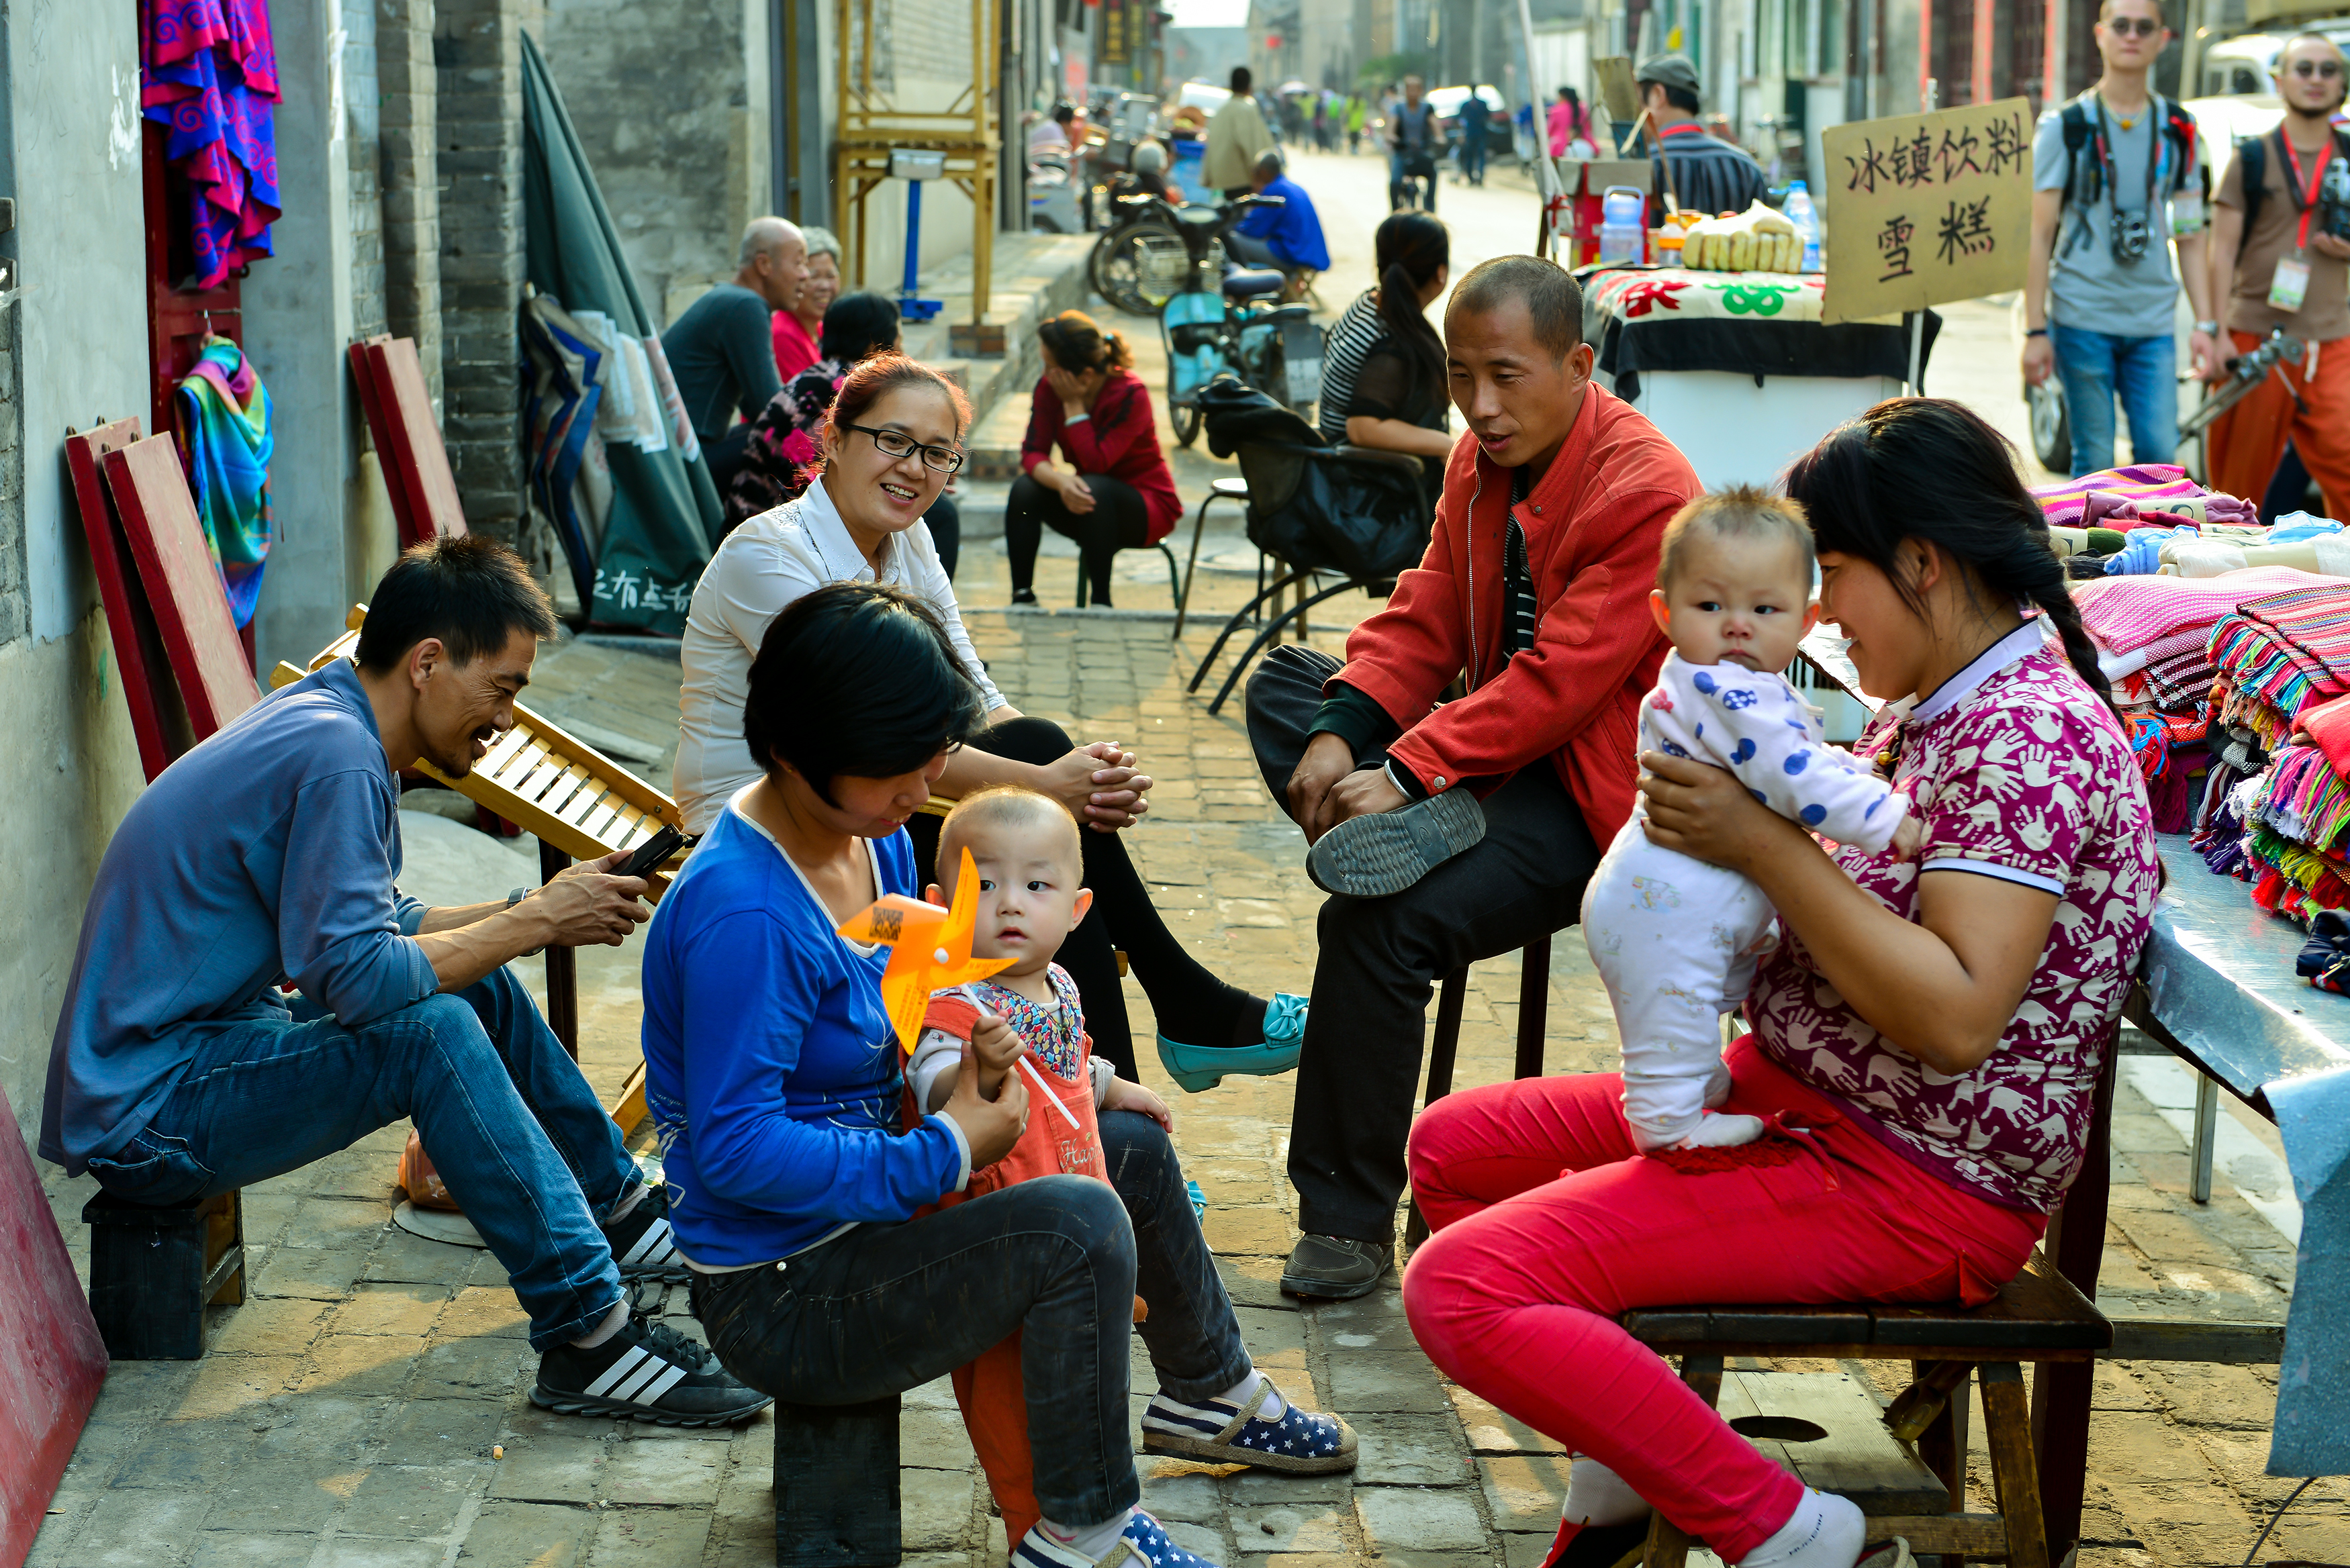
1932	470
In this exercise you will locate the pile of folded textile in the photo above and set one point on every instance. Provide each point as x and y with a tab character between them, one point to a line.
2294	818
2116	521
2153	638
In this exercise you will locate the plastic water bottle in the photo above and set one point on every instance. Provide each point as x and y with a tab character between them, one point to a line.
1623	235
1806	222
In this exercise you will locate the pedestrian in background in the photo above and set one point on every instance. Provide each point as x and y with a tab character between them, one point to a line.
1356	114
1570	122
2111	175
723	349
1288	237
1415	142
797	328
1474	113
1704	173
2288	270
1237	136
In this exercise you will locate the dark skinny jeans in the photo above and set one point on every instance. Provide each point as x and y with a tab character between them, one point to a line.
886	1308
1119	521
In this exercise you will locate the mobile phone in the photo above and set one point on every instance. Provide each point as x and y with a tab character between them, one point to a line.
652	851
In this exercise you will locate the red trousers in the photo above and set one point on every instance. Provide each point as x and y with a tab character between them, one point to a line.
2246	442
1549	1224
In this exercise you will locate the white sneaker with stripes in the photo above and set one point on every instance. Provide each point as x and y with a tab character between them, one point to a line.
647	1372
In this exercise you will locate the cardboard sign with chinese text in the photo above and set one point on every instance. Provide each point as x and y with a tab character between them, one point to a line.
1922	209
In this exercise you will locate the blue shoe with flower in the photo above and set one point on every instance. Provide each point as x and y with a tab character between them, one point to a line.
1197	1068
1142	1544
1271	1434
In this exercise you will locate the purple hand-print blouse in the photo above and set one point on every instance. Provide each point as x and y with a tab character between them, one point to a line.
2017	772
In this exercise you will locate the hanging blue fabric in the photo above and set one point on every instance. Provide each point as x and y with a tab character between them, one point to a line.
223	416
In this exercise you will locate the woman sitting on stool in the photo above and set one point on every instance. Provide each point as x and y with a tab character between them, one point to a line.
1117	493
775	1079
1383	372
892	438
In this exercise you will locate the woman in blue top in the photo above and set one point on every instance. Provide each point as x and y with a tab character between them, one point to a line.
774	1078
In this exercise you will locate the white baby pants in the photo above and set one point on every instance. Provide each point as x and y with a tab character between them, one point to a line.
1676	940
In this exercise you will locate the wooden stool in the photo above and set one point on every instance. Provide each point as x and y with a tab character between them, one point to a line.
1534	1012
837	1501
2039	1317
152	1272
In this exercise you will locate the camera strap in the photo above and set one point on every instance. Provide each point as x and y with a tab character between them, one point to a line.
2308	202
2158	156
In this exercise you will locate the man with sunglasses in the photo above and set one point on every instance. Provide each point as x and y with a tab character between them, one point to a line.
2114	183
2280	259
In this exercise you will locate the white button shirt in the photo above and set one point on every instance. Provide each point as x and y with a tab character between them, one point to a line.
762	566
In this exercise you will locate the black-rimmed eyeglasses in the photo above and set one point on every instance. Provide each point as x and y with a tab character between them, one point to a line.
898	444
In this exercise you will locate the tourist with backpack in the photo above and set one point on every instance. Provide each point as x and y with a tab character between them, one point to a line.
2281	258
2114	182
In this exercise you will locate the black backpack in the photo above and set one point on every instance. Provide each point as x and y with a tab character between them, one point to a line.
2253	152
2177	126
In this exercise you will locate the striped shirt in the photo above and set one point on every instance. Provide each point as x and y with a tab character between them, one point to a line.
1344	348
1709	174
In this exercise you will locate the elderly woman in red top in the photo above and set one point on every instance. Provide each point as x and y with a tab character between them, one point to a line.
1116	494
1934	1026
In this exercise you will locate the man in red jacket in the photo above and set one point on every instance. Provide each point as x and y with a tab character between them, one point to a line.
1450	832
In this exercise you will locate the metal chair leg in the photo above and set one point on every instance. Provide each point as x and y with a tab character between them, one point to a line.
1174	580
1231	626
1183	600
1274	630
1534	1007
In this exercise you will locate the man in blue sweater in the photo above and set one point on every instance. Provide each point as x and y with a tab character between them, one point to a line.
1288	237
266	857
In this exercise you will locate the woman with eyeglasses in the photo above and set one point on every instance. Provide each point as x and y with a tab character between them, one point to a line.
1116	492
892	439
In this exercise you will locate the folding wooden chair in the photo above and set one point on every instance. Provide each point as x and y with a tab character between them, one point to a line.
398	408
581	804
185	670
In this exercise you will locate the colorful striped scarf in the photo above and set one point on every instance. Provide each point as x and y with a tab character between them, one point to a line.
2283	653
223	416
2144	486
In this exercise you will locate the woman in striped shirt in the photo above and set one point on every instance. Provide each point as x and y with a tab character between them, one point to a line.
1382	364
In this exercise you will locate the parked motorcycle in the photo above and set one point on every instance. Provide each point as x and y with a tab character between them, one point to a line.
1228	319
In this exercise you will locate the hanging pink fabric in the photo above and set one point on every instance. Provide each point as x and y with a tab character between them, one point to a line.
208	71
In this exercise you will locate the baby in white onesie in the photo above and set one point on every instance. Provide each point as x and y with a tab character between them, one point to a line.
1675	940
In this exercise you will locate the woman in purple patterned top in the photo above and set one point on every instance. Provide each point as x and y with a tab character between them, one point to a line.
1927	1038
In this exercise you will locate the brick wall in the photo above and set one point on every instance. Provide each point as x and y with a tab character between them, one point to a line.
477	50
408	120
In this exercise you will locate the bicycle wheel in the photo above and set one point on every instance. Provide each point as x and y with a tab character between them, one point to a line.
1140	267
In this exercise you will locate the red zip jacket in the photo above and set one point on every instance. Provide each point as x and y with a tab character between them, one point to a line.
1592	525
1121	440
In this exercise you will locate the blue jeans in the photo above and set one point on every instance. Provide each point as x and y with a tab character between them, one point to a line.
886	1308
1473	156
510	1124
2145	370
1403	167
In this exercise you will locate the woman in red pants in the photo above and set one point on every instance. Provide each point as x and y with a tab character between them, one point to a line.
1927	1038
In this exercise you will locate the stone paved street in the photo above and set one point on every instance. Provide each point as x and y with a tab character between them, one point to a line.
353	1411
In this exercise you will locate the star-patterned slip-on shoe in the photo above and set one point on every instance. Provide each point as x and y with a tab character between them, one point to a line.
1144	1544
1218	1432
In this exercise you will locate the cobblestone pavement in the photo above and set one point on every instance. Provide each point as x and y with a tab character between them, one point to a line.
353	1411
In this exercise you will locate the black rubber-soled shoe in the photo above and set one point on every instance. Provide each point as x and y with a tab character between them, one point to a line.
647	1372
1386	852
643	1245
1597	1545
1336	1268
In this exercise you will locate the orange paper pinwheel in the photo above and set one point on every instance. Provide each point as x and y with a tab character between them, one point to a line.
929	950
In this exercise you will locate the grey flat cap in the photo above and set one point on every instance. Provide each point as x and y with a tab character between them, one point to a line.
1667	70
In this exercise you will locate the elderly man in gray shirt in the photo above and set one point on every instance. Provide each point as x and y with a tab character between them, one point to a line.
264	858
723	349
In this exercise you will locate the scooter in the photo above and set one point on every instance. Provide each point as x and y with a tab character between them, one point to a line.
1228	319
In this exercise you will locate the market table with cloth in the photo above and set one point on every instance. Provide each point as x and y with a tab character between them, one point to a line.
1737	368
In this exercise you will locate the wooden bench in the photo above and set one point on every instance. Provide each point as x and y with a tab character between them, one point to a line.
2038	1318
836	1491
153	1271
